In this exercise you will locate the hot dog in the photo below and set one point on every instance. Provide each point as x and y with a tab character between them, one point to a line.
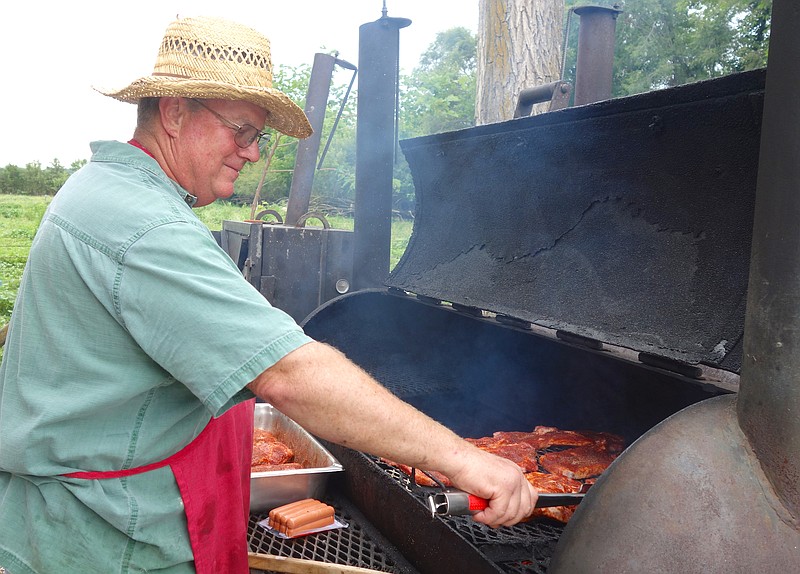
300	516
278	516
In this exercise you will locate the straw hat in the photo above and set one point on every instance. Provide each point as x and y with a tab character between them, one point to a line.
217	59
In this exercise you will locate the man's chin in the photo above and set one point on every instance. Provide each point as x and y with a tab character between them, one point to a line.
212	196
225	193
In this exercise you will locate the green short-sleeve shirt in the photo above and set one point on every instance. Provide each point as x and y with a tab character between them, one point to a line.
131	329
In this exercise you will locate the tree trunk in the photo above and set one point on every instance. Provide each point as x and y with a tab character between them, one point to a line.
519	46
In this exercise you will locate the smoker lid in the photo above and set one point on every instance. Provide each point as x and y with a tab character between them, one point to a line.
628	221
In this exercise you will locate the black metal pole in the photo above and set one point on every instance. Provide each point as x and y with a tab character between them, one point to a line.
307	149
378	64
769	396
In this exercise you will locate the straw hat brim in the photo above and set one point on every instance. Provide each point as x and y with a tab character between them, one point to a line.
282	113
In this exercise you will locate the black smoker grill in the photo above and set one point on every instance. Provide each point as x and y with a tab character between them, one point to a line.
585	269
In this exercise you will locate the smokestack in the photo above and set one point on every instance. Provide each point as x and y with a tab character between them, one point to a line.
378	63
594	68
307	149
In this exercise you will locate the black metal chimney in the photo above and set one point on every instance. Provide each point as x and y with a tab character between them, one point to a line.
378	63
595	64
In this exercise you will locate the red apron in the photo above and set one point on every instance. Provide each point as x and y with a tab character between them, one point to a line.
213	475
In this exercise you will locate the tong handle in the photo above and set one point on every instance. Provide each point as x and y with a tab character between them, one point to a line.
476	503
452	502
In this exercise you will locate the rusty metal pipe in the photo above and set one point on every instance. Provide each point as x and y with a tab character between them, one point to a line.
595	64
557	93
307	149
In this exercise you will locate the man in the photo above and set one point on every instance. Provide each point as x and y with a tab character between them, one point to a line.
136	347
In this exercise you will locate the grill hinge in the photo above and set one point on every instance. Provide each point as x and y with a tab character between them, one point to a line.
685	369
580	340
466	309
513	322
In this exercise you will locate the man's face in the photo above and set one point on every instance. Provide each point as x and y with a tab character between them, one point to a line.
207	160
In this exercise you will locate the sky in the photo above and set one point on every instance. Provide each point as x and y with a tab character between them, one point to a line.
54	53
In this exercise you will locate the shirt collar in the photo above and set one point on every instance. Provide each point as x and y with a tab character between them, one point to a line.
137	156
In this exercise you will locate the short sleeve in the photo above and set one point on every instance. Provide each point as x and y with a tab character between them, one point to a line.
187	305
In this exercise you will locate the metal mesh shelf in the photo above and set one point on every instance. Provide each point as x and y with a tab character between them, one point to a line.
360	544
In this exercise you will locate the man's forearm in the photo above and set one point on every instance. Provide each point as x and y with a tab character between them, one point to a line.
336	400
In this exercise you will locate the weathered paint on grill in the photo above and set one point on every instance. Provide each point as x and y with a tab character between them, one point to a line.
769	402
626	222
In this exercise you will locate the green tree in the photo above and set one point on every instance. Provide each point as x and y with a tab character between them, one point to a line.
11	180
665	43
34	180
742	25
54	177
440	93
438	96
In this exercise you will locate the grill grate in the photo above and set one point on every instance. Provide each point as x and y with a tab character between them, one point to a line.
525	548
521	549
357	545
406	382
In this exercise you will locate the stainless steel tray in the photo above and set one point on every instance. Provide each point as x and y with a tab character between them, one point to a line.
275	488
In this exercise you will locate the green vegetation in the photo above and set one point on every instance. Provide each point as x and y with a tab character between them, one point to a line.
439	96
35	180
19	218
665	43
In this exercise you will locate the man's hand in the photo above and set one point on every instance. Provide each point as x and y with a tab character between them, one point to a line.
511	497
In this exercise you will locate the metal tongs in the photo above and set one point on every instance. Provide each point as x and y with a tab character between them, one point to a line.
455	502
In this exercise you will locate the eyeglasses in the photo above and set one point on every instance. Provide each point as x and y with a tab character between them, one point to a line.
245	134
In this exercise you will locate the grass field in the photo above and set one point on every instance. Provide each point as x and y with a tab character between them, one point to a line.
20	216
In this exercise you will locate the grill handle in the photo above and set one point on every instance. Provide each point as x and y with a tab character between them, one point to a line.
452	502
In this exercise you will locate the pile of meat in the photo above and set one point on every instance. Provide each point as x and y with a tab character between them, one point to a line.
270	454
553	460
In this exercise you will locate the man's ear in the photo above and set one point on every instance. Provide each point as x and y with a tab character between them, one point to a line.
172	112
